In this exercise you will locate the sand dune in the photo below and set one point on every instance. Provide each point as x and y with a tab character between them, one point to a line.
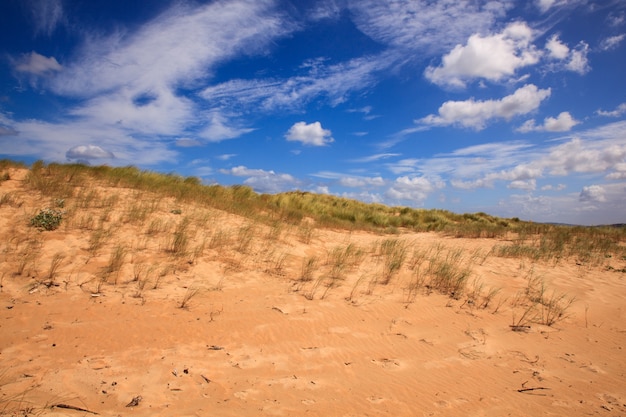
255	338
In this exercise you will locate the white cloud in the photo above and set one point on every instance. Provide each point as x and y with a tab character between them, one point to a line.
46	14
51	141
376	157
413	188
333	82
36	64
475	114
128	83
219	129
619	172
562	123
600	151
612	42
578	59
546	5
424	25
187	142
619	110
178	47
550	187
557	49
593	193
526	185
264	181
88	152
352	181
309	134
491	57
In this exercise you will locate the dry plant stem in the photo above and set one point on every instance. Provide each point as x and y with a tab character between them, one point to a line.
523	323
189	294
116	260
309	265
55	263
180	239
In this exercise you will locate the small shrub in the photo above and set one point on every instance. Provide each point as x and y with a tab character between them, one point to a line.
47	219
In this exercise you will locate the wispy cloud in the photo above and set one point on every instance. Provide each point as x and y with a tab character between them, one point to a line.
612	42
618	111
332	82
47	15
127	83
376	157
431	26
600	151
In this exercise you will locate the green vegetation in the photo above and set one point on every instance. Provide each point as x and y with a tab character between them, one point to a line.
60	181
91	197
47	219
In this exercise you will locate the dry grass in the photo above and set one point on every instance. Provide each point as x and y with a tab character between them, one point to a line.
164	212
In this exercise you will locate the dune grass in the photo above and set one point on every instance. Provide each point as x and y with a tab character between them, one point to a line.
103	200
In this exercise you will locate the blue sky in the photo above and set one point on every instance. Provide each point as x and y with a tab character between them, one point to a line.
514	108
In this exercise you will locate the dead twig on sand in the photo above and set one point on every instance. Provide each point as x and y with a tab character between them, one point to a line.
134	402
530	389
73	407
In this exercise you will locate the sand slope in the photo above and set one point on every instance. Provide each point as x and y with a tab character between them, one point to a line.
257	340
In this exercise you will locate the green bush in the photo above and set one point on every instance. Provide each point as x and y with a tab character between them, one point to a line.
47	219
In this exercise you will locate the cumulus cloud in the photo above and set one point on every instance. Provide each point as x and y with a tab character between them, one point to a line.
562	123
475	114
36	64
88	152
619	172
593	193
578	61
619	110
413	188
491	57
564	58
309	134
557	49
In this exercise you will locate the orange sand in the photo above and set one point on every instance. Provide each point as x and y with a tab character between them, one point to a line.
251	342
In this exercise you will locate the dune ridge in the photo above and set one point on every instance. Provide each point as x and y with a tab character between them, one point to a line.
145	304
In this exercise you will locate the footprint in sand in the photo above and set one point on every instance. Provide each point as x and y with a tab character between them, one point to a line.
386	363
375	400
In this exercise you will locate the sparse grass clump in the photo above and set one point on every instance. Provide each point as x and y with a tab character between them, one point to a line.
393	253
450	275
179	241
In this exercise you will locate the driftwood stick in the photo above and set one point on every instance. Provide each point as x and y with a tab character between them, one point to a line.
73	407
531	389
